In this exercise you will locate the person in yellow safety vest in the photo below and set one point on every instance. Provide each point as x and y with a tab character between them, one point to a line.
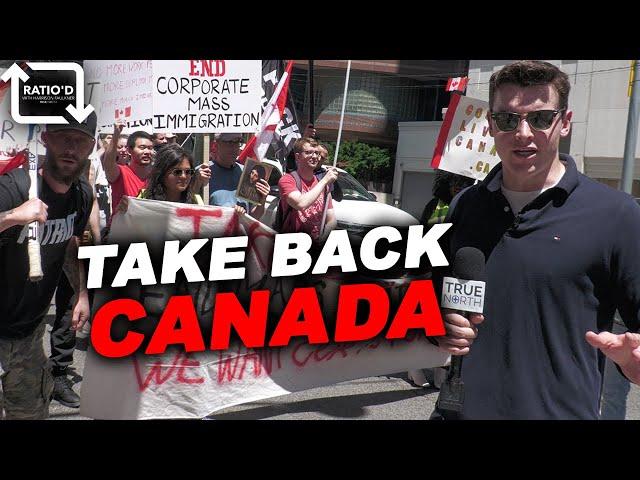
446	185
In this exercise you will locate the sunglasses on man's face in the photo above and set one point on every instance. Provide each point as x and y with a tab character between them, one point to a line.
537	120
177	172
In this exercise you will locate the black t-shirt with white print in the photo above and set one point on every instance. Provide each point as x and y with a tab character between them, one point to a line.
23	304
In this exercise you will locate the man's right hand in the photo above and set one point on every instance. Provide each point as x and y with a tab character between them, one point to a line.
330	176
203	175
309	131
110	158
118	126
461	332
30	211
123	206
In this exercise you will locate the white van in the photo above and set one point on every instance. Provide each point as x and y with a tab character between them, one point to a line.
357	212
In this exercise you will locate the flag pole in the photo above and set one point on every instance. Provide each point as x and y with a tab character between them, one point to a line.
205	161
311	103
335	154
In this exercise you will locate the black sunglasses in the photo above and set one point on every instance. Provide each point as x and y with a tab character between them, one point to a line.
537	120
179	171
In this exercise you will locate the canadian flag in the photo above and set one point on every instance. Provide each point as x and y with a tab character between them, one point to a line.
457	84
126	112
273	112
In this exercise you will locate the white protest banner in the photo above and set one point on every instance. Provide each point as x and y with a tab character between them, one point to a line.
179	385
192	385
464	145
205	96
120	90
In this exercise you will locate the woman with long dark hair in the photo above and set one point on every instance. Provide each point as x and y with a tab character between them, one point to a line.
172	177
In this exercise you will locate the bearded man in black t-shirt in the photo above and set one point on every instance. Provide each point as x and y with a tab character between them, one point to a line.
62	210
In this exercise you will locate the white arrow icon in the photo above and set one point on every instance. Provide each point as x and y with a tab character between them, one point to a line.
14	71
79	112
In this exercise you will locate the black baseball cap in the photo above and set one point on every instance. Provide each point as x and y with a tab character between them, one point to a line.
88	126
228	137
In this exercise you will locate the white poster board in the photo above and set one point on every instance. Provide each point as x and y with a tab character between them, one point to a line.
206	96
464	145
120	90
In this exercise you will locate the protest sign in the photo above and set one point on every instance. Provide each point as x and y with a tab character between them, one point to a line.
204	96
464	145
120	90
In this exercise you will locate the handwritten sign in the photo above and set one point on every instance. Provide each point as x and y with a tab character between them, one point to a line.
464	145
120	90
199	96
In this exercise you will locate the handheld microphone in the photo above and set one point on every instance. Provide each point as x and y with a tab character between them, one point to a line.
464	292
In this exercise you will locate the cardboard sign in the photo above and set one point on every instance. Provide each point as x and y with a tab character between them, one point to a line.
464	145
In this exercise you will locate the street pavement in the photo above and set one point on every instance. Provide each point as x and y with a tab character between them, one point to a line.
388	397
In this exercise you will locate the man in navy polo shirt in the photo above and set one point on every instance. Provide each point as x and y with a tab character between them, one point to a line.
561	255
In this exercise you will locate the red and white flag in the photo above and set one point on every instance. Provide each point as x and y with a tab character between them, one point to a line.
258	144
123	112
457	84
8	163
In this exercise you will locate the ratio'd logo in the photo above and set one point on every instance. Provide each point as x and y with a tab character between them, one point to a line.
51	91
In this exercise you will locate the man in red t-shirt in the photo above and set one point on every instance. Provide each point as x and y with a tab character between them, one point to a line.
308	201
128	179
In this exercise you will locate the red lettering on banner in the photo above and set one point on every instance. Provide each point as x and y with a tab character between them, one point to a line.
232	367
294	355
187	362
231	229
198	215
335	349
318	354
371	346
253	235
156	375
